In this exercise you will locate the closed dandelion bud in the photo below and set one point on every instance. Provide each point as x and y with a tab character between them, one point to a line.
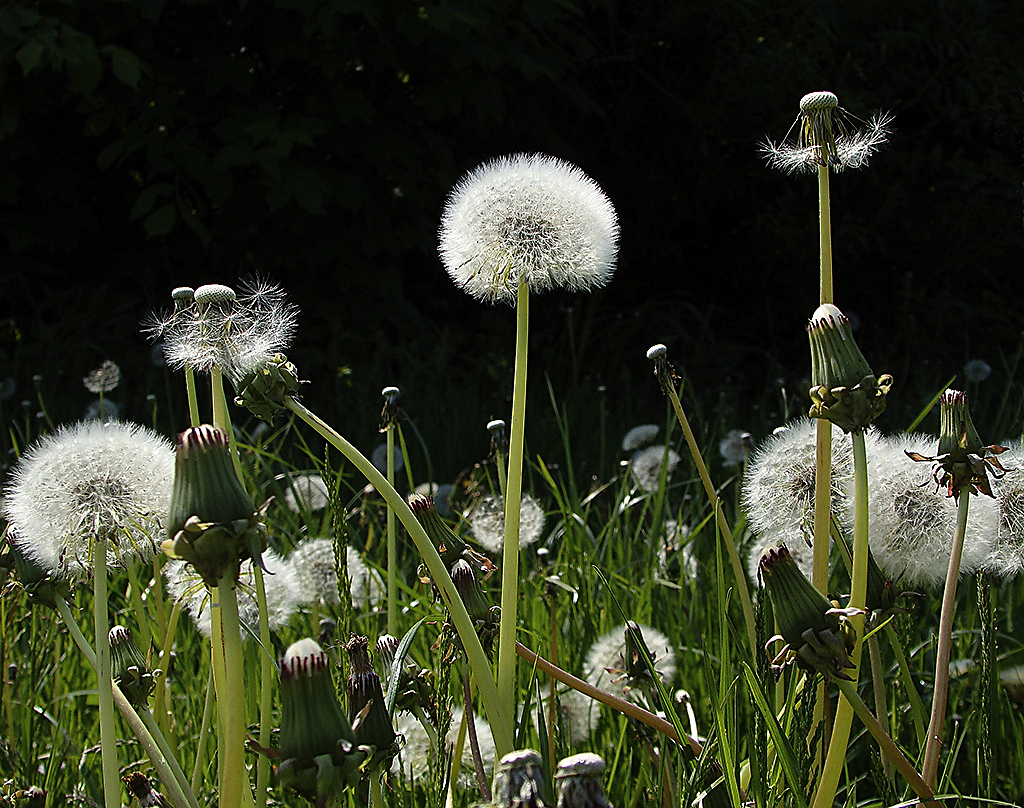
518	782
264	389
128	667
447	542
578	782
815	634
366	709
962	463
414	683
140	788
316	742
212	523
473	596
844	390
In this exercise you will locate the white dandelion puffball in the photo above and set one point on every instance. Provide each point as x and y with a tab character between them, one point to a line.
487	522
576	715
647	464
911	519
608	652
95	477
1007	558
185	584
532	218
312	564
379	458
778	487
416	757
306	493
640	437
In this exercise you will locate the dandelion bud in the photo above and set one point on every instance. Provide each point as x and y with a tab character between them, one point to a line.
212	523
414	683
140	788
814	633
389	415
844	390
473	596
316	743
448	543
366	710
128	667
578	782
264	389
518	781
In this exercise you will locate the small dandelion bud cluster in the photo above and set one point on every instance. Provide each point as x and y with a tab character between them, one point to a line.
316	745
212	523
264	388
367	711
826	136
815	635
528	218
128	667
962	463
844	390
578	782
518	781
84	481
389	415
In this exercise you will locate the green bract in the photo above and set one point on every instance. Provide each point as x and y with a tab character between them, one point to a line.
263	390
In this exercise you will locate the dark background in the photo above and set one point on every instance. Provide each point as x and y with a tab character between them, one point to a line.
149	144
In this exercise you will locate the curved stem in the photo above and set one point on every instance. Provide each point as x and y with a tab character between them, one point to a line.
513	503
938	715
916	707
501	726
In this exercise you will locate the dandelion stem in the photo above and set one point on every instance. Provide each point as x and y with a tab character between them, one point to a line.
104	684
878	687
938	716
204	728
193	401
828	782
513	503
723	523
266	693
231	696
825	234
392	543
916	707
178	776
501	726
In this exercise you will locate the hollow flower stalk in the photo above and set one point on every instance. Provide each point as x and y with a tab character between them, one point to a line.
518	224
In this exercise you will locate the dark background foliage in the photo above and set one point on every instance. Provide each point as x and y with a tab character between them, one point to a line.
150	144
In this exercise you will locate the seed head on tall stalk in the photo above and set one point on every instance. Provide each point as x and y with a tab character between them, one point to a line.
518	224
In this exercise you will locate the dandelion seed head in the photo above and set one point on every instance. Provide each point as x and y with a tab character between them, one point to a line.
577	715
735	447
487	522
313	565
185	584
307	493
528	217
214	293
1007	558
379	458
416	758
646	466
608	652
441	494
911	521
92	478
977	370
819	101
104	379
102	409
640	437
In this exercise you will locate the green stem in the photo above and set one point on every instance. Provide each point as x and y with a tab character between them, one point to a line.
938	715
376	798
828	782
825	235
501	726
231	696
204	729
266	692
723	524
392	543
222	417
822	504
888	747
513	504
916	707
878	686
193	401
104	686
178	776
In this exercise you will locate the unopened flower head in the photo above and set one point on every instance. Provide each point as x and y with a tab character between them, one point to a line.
280	582
648	465
532	218
827	135
487	522
613	665
640	437
219	328
314	565
104	379
83	481
778	489
911	523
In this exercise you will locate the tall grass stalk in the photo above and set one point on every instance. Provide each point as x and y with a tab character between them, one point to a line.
513	504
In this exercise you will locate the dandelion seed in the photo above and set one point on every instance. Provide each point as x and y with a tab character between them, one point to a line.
313	565
735	447
827	135
307	493
487	522
911	523
279	581
646	466
93	478
609	668
528	217
104	379
640	437
977	370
